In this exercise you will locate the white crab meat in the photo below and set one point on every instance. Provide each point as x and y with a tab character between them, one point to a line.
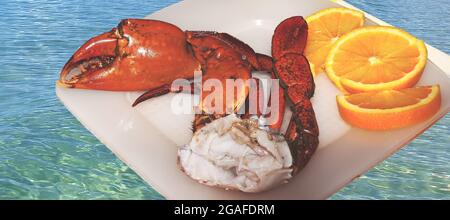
234	153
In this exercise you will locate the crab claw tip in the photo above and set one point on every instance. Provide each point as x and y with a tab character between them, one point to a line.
96	53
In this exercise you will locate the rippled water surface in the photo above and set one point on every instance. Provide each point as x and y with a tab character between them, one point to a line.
46	154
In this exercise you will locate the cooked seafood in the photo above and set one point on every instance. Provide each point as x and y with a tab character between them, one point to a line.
234	153
226	150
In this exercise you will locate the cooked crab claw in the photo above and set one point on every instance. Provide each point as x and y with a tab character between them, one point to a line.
137	55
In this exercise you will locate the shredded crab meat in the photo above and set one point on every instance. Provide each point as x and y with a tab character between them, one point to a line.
234	153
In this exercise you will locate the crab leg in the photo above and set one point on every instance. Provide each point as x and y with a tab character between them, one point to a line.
292	68
289	37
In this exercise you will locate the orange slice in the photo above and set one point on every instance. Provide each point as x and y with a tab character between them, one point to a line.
324	29
376	58
389	109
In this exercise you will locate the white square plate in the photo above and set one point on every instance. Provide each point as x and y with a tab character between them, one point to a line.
146	137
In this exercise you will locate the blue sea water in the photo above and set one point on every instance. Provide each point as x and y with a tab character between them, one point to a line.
45	153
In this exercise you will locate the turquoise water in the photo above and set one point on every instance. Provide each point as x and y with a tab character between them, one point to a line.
46	154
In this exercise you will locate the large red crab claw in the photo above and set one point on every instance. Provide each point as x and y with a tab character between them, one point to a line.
222	58
137	55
